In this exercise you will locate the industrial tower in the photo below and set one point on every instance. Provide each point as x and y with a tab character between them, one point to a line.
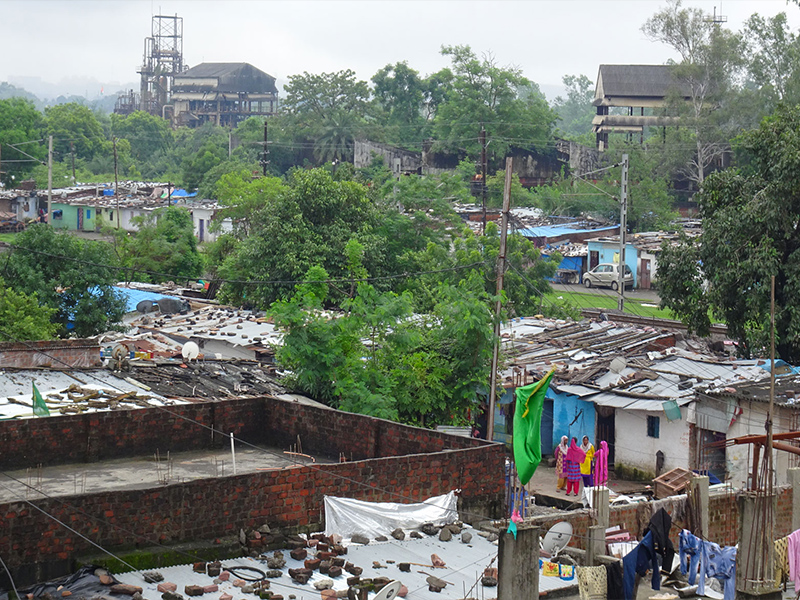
163	60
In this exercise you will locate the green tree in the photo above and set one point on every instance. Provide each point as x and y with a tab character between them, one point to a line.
306	225
575	112
401	94
711	57
22	318
74	125
73	276
165	244
749	234
198	165
773	58
20	123
511	106
147	134
244	197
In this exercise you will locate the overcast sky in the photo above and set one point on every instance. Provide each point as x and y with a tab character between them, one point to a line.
83	45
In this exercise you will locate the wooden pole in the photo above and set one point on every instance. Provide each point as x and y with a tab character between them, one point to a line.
771	387
501	267
116	180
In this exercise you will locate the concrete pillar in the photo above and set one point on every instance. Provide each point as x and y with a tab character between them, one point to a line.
755	573
794	481
699	490
601	505
596	544
518	565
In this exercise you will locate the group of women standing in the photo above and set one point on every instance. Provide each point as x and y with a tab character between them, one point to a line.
574	463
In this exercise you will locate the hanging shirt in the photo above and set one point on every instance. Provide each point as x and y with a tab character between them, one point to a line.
691	547
660	525
639	561
615	589
720	562
781	560
794	558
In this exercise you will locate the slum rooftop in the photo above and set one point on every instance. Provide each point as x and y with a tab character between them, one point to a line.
621	365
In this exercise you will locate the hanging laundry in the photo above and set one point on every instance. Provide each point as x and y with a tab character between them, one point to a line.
781	561
720	562
794	558
592	583
615	586
660	525
526	441
691	547
639	561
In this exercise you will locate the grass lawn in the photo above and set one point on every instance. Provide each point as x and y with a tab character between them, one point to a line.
7	237
633	305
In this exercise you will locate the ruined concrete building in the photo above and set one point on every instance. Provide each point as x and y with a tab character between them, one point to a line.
222	93
642	91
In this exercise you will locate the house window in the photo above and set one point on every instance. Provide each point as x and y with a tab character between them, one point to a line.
653	426
58	215
88	213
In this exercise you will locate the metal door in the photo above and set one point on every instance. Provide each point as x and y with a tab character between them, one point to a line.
80	219
594	259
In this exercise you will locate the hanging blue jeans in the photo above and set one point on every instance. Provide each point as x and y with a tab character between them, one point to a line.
639	561
691	546
720	562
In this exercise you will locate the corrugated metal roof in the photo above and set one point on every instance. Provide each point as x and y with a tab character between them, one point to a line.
559	230
648	81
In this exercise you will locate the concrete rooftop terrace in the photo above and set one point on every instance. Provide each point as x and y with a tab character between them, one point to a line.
146	472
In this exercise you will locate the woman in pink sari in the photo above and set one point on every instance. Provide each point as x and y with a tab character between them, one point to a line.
601	465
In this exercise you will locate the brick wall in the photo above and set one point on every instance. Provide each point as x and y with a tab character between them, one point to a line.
140	432
393	463
76	353
723	514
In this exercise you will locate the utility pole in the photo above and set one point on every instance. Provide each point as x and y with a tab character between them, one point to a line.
483	174
501	268
623	225
116	179
49	179
72	152
768	449
265	156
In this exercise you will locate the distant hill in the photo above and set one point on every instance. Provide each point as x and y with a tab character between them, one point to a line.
11	91
103	104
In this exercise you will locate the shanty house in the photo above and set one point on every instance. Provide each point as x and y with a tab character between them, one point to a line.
224	94
637	388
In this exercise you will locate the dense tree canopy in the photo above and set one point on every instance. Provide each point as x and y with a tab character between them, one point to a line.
750	232
69	275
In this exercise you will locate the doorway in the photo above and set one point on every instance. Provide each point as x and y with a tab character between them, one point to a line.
605	430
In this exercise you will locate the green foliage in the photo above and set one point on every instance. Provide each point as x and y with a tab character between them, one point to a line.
305	225
147	134
400	92
377	359
22	318
197	165
749	234
575	112
164	243
67	274
244	196
511	106
77	125
19	122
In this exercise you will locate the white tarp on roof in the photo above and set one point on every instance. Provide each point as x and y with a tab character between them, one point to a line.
348	517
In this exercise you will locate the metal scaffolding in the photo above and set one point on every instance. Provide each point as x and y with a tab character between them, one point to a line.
163	60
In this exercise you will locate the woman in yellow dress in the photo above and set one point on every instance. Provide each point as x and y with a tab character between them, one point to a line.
586	465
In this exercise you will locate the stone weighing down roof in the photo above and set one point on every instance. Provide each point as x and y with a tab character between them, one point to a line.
623	366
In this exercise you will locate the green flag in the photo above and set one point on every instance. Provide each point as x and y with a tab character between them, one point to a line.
527	427
39	407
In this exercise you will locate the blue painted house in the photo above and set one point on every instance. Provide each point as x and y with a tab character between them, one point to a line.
606	250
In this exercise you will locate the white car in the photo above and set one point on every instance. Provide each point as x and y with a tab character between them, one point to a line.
607	275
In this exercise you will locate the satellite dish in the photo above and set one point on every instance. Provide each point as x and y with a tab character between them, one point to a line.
120	351
557	538
190	351
389	591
